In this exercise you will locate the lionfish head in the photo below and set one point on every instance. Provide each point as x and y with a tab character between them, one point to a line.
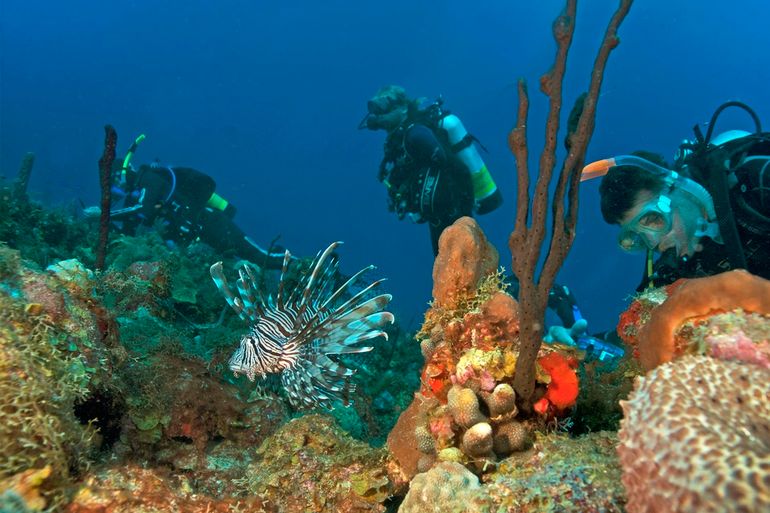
244	360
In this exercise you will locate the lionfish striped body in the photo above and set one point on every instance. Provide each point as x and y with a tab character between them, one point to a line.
295	334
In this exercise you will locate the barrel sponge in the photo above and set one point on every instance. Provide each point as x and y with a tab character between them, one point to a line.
696	437
695	298
448	487
464	406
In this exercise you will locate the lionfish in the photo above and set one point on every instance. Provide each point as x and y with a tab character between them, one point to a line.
296	334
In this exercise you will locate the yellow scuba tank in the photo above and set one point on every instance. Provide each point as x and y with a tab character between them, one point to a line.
486	195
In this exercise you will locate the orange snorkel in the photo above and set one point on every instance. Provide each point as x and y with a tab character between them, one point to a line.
597	169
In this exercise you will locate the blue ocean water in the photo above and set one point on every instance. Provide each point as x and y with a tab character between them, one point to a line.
266	96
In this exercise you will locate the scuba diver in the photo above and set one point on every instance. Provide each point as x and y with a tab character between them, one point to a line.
706	214
183	204
431	168
434	174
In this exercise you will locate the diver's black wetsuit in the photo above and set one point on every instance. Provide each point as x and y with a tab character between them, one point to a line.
178	197
425	178
750	205
560	300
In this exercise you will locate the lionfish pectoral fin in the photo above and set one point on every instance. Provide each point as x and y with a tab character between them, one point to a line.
248	290
372	321
218	275
338	325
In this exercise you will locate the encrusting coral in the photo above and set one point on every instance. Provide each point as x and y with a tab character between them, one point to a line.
41	379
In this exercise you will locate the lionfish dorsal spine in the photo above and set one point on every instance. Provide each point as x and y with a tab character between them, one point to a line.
284	268
353	300
317	269
337	293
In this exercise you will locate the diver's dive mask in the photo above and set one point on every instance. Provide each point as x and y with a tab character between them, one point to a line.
385	111
380	105
654	220
645	231
387	121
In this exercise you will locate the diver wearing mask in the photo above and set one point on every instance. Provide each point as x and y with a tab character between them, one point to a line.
431	168
182	204
709	214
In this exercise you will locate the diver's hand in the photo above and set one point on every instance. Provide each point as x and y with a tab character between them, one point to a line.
91	212
567	336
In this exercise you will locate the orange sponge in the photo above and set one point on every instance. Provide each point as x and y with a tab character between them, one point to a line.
697	298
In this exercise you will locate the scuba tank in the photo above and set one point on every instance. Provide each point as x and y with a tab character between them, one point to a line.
485	192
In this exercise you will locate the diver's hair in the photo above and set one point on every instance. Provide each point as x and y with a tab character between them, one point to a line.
400	98
621	186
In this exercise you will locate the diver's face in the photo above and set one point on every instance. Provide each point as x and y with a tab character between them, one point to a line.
645	224
684	223
388	121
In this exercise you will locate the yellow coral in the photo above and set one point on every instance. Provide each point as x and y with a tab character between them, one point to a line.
464	406
498	362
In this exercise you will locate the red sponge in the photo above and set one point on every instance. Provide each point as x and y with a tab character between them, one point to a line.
562	391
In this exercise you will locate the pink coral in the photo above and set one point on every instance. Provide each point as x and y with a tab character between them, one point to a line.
697	298
696	437
737	346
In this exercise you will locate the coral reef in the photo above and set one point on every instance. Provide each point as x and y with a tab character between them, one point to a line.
311	465
43	374
558	474
696	437
568	475
698	298
132	488
602	387
41	235
447	488
466	408
116	397
20	493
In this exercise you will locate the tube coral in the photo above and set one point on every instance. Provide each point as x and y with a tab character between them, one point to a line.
105	182
527	239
